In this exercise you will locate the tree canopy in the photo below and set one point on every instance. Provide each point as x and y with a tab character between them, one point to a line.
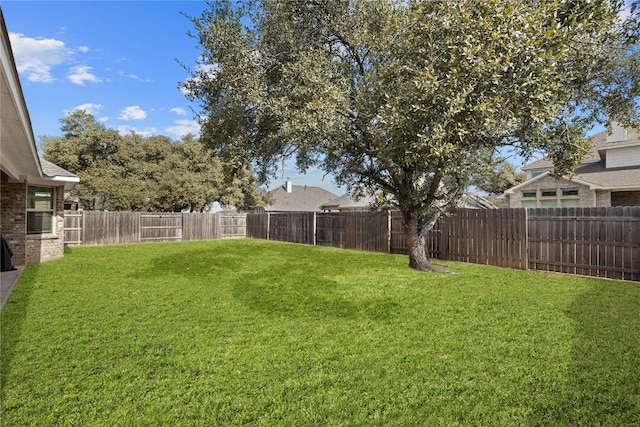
132	172
410	98
497	176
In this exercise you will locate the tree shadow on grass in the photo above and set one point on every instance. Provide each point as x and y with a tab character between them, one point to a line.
297	295
602	385
12	319
276	288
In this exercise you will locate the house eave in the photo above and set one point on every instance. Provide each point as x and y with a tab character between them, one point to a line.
590	185
18	152
622	188
54	181
534	179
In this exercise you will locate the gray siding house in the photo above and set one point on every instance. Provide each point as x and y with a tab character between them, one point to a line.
609	175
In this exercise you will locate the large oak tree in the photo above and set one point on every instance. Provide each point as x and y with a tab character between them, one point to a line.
409	98
138	173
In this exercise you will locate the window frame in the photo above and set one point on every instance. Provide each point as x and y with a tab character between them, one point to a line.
561	197
572	197
31	210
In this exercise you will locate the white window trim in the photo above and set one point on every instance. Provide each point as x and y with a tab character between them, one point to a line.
52	211
558	198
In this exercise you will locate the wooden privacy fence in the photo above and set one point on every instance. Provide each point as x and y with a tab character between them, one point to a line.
493	237
603	242
111	228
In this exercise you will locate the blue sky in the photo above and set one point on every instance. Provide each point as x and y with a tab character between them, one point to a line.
117	60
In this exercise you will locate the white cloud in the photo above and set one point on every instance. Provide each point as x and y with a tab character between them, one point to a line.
83	49
125	130
208	71
121	73
179	111
35	58
89	108
133	112
183	127
81	74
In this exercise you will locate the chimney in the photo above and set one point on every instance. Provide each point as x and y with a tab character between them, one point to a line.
288	185
618	133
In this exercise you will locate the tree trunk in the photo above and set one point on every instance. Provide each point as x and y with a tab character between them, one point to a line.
416	235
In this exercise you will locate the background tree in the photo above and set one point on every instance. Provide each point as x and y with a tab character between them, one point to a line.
496	176
131	172
409	98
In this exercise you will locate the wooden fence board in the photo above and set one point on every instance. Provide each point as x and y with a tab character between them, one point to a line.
398	239
110	228
366	231
602	242
73	228
330	229
164	227
258	226
493	237
232	226
200	226
295	227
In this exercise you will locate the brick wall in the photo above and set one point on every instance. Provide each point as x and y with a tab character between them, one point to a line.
603	199
46	247
28	249
13	217
587	197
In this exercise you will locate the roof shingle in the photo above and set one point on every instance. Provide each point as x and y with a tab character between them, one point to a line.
301	199
599	140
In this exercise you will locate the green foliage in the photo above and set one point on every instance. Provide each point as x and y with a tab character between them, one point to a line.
409	97
131	172
496	176
249	332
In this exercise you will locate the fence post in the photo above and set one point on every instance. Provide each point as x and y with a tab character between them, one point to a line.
315	231
526	238
82	237
268	224
389	232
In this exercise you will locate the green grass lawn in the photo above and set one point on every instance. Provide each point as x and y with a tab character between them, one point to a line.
251	332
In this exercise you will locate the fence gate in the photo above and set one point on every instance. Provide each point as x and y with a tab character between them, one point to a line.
72	228
165	227
233	226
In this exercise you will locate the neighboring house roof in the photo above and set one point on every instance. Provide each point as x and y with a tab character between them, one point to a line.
598	141
477	202
302	198
592	171
612	178
18	153
346	202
